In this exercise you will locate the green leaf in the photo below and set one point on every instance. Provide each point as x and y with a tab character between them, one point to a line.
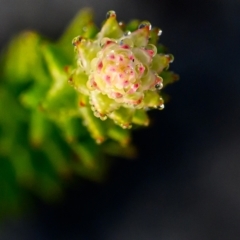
21	58
82	25
169	77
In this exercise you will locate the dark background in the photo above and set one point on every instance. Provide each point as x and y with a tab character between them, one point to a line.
186	182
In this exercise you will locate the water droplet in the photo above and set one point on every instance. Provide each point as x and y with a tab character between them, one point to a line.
152	50
160	107
76	41
159	31
127	33
110	14
158	82
145	24
126	126
121	24
103	117
170	58
105	41
159	86
126	41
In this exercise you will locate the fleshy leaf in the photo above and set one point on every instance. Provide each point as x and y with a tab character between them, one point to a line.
122	68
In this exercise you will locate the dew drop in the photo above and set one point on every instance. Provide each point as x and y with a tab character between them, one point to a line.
106	41
170	58
126	126
127	33
151	49
103	117
76	41
110	14
121	24
159	86
145	24
160	107
126	41
159	31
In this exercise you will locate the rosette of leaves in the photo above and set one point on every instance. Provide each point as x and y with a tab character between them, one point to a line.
50	132
121	70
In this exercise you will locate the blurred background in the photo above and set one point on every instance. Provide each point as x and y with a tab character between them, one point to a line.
185	183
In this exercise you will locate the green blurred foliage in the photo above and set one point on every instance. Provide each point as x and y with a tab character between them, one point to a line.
45	139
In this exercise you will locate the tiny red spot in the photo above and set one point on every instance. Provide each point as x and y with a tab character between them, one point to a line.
82	104
131	57
94	84
150	52
125	46
141	68
118	95
136	86
100	65
108	42
139	101
112	56
125	83
107	78
66	69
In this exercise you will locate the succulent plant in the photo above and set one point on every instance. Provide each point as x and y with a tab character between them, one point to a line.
52	106
120	71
